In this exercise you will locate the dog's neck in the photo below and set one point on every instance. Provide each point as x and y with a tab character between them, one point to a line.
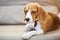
34	26
37	26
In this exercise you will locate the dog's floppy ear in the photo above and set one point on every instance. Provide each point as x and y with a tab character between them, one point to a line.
24	9
41	12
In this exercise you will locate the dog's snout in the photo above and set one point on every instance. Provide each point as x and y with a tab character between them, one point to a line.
27	19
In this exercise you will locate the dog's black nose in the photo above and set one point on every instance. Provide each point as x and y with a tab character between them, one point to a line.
27	19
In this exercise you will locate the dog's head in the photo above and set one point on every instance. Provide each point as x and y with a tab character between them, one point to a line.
34	11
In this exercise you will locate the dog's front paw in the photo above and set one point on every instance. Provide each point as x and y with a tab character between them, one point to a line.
28	35
25	36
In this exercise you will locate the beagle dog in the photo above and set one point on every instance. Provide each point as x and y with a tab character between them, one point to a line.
38	21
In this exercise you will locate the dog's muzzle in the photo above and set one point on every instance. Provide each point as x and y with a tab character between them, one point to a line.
27	19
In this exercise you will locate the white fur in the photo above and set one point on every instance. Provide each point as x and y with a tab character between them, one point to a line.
29	26
31	33
29	16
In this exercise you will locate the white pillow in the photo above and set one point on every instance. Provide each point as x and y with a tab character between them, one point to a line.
11	14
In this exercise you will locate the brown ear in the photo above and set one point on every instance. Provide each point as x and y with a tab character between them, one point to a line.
24	13
24	9
41	13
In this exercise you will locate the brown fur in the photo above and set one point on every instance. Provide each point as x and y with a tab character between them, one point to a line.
49	21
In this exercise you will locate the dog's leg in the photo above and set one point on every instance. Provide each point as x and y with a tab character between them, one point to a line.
31	33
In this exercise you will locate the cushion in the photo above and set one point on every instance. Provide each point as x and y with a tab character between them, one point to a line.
11	14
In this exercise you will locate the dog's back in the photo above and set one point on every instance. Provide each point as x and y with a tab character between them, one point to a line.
55	21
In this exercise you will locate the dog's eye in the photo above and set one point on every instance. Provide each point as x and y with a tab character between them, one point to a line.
33	12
